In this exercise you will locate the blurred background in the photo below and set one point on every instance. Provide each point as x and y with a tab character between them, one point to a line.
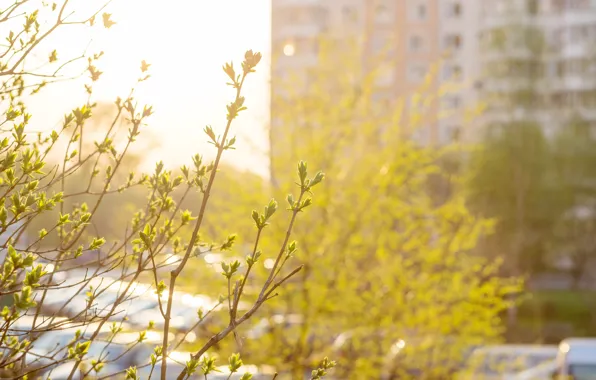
459	142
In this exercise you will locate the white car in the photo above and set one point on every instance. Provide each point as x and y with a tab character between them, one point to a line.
544	371
504	361
257	372
577	359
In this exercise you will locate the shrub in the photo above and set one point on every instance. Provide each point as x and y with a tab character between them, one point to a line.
70	296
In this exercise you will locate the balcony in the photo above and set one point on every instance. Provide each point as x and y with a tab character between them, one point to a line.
587	113
283	3
569	83
298	61
576	50
296	31
499	21
520	53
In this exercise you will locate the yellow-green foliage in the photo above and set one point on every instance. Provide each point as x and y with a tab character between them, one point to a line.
379	256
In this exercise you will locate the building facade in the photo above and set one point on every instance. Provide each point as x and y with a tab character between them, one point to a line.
523	59
416	34
538	61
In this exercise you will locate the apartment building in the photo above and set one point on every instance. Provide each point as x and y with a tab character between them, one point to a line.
418	34
526	59
538	61
549	43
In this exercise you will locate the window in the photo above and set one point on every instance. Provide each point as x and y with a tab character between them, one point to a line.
578	4
382	15
582	371
453	41
322	17
298	15
532	6
417	10
588	99
416	72
454	9
454	133
555	39
416	43
289	49
574	67
300	46
449	134
421	11
421	134
451	102
452	72
385	75
349	16
571	99
501	6
381	42
593	131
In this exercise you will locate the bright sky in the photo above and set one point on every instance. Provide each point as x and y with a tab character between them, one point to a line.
186	42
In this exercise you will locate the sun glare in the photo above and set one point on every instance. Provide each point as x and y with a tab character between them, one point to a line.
289	50
185	42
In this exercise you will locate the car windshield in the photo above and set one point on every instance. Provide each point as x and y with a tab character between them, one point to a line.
182	316
54	339
583	371
110	351
507	362
173	370
139	304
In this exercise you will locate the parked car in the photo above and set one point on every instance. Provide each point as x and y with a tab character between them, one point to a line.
118	352
48	348
176	364
22	329
280	333
183	317
576	359
502	361
267	325
544	371
428	356
58	298
62	372
258	373
349	346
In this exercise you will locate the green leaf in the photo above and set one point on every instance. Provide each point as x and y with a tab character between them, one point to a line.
229	243
96	243
191	366
270	209
209	131
64	219
318	178
161	286
302	172
53	56
131	373
256	218
228	68
234	363
107	22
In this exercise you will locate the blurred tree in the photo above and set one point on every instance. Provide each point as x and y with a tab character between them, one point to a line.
112	216
510	178
575	167
57	322
402	267
520	168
